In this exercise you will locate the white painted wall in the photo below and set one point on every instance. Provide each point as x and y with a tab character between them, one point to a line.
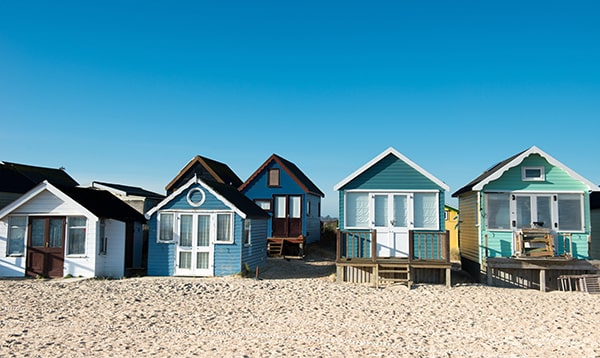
9	266
113	263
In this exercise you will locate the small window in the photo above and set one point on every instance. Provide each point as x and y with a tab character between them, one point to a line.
103	242
17	226
570	212
445	215
76	235
165	227
224	228
247	237
308	208
532	174
273	177
264	204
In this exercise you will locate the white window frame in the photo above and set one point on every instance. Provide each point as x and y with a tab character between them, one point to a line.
216	227
102	239
68	236
159	239
487	212
541	177
247	232
581	215
9	239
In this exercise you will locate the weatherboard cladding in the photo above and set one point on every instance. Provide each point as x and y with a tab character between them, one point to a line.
391	173
255	254
228	256
469	231
161	257
301	177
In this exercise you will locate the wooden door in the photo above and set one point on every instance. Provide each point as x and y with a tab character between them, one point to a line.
45	247
287	216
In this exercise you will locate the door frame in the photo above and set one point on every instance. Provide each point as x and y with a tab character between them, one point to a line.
396	237
194	249
52	258
287	226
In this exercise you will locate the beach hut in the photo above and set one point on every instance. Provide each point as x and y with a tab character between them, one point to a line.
53	231
526	221
293	201
392	223
451	219
205	226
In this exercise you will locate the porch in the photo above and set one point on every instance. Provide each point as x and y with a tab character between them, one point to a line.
427	259
287	247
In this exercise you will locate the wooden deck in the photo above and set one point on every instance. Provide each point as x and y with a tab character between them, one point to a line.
288	247
428	260
541	273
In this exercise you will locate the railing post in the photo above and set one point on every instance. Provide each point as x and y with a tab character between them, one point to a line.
411	245
373	245
447	246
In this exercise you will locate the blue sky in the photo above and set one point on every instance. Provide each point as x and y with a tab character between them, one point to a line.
130	91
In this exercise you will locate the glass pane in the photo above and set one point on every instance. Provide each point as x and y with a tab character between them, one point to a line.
185	229
16	234
185	260
357	209
56	233
37	232
523	212
381	210
498	211
544	213
426	215
295	202
400	211
203	230
280	206
223	227
76	241
273	177
202	260
569	212
166	227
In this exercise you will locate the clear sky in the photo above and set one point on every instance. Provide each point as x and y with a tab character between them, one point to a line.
129	91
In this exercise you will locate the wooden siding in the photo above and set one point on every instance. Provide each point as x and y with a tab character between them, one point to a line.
342	212
312	224
255	254
47	203
556	178
595	235
161	256
468	230
228	257
451	225
391	173
211	202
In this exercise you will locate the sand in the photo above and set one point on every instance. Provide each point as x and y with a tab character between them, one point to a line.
295	309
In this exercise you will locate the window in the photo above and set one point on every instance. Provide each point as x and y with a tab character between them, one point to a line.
273	179
17	226
308	208
103	240
498	211
426	213
165	224
532	174
264	204
247	238
357	210
295	207
185	230
224	228
75	234
445	215
570	212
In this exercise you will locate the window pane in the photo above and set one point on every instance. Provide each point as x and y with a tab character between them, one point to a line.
381	210
16	235
56	232
569	212
498	211
295	203
185	260
223	227
203	230
37	232
280	206
426	215
273	177
166	227
357	209
523	212
76	236
544	213
264	204
247	226
185	229
202	260
400	211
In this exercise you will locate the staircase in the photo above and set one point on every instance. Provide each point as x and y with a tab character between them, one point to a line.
275	247
391	274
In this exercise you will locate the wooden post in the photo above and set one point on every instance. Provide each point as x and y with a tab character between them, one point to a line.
543	280
339	274
448	277
488	272
447	246
374	246
411	245
338	244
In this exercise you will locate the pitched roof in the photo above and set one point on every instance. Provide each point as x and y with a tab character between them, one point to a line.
292	170
19	178
98	202
228	194
130	190
206	169
498	170
398	155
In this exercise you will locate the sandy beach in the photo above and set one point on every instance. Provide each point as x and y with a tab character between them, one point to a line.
294	309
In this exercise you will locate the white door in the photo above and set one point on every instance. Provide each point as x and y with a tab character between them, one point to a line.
391	222
194	252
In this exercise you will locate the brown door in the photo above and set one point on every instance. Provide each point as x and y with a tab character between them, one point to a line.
45	247
287	216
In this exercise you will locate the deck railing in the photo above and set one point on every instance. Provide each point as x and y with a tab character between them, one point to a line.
422	245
